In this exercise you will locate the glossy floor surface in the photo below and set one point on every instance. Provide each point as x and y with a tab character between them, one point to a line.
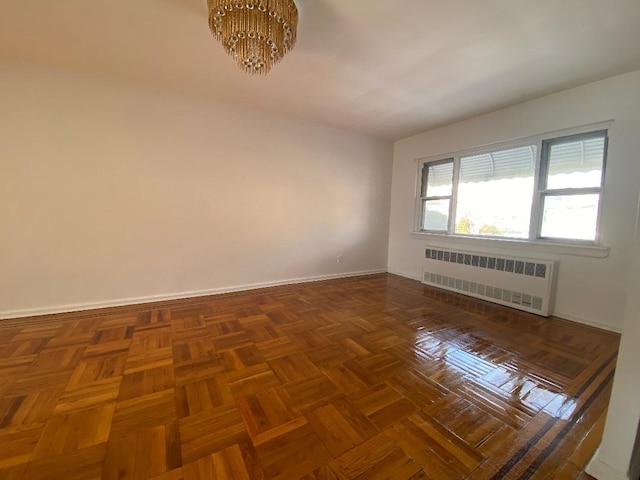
369	378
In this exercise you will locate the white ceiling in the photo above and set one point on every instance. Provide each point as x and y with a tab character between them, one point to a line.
383	67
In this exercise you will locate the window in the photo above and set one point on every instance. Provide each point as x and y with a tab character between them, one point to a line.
547	188
572	177
437	189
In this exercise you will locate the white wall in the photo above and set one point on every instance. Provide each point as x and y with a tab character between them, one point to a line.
590	290
618	457
113	192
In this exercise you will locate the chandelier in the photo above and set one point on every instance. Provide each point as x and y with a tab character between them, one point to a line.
257	33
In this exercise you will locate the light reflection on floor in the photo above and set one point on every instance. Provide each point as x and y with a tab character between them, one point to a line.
501	379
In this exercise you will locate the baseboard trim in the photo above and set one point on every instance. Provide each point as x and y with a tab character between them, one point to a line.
590	323
123	302
405	275
79	307
603	471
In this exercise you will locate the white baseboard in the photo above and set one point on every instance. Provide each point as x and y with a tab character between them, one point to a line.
33	312
591	323
78	307
603	471
405	275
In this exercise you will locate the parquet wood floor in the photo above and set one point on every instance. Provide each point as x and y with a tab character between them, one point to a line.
367	378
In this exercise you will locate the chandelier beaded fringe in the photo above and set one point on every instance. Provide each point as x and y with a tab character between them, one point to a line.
258	33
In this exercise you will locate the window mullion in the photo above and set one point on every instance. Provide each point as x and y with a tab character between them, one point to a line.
536	204
438	197
573	191
602	179
418	220
454	196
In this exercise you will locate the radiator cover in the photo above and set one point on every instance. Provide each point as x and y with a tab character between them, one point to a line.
522	283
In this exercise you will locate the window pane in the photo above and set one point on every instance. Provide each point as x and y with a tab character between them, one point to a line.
495	193
571	217
435	215
576	164
439	179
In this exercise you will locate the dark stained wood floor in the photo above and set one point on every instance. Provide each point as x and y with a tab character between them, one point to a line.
368	378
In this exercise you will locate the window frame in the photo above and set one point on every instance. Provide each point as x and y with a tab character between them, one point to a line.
543	144
425	198
543	191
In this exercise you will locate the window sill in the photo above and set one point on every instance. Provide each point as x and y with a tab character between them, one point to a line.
575	249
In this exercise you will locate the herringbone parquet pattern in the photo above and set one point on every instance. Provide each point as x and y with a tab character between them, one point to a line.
367	378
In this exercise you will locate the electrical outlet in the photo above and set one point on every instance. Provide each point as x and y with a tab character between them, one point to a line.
340	258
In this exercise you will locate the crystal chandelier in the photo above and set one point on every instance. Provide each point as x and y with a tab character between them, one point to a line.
257	33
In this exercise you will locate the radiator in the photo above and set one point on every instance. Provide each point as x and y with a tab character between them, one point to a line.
520	283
